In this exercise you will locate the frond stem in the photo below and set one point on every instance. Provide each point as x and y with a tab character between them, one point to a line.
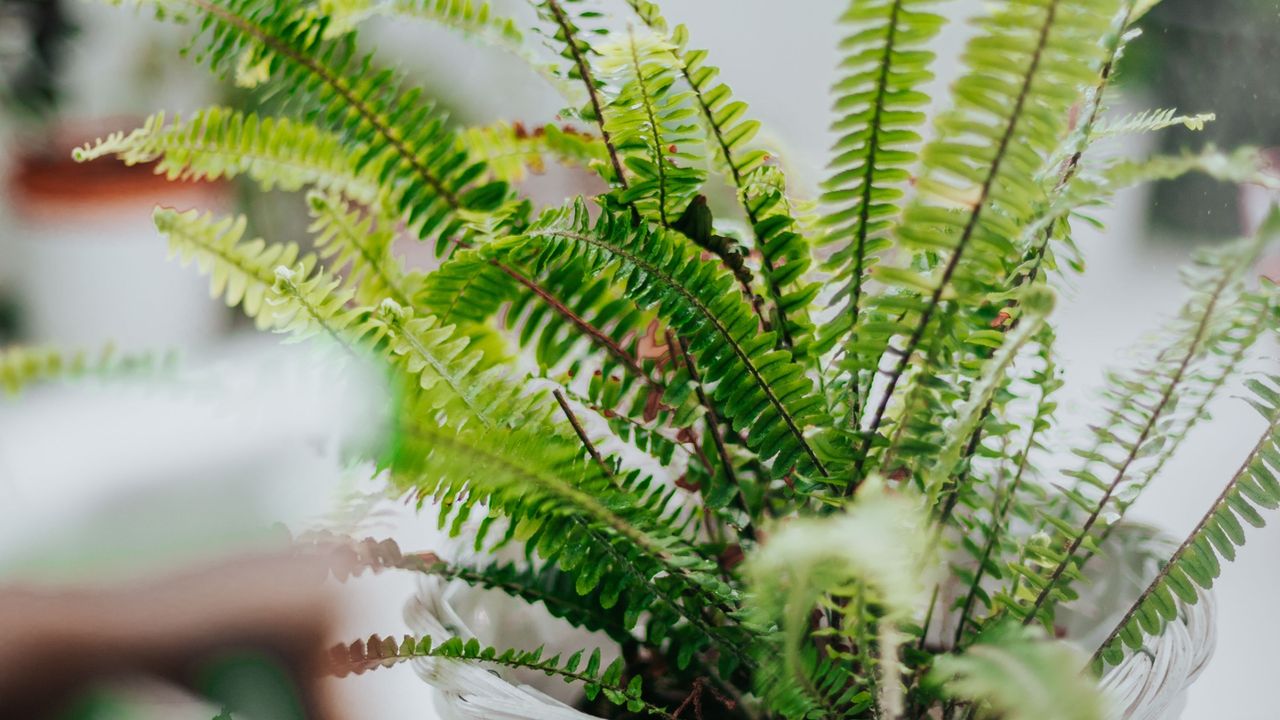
581	432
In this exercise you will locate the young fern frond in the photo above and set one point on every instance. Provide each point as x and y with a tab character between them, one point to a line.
1242	166
362	656
218	142
1152	121
240	271
879	108
651	120
1017	674
1195	564
346	238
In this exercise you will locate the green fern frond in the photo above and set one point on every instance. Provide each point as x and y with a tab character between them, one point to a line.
306	306
1144	409
241	272
362	656
652	122
432	353
511	152
386	123
579	52
607	531
1195	564
980	181
975	409
574	322
1244	165
348	239
547	585
786	257
1014	499
770	393
784	251
879	104
218	142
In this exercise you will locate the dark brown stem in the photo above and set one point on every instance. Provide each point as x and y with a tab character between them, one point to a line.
678	349
606	342
581	432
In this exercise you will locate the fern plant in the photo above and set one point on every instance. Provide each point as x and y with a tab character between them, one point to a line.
784	454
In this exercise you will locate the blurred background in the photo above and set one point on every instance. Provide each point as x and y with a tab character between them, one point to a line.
81	266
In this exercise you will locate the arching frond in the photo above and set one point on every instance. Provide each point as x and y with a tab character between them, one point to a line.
1195	564
362	656
979	184
385	122
1144	406
240	271
348	239
218	142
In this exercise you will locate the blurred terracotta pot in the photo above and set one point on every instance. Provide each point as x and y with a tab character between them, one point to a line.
88	266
